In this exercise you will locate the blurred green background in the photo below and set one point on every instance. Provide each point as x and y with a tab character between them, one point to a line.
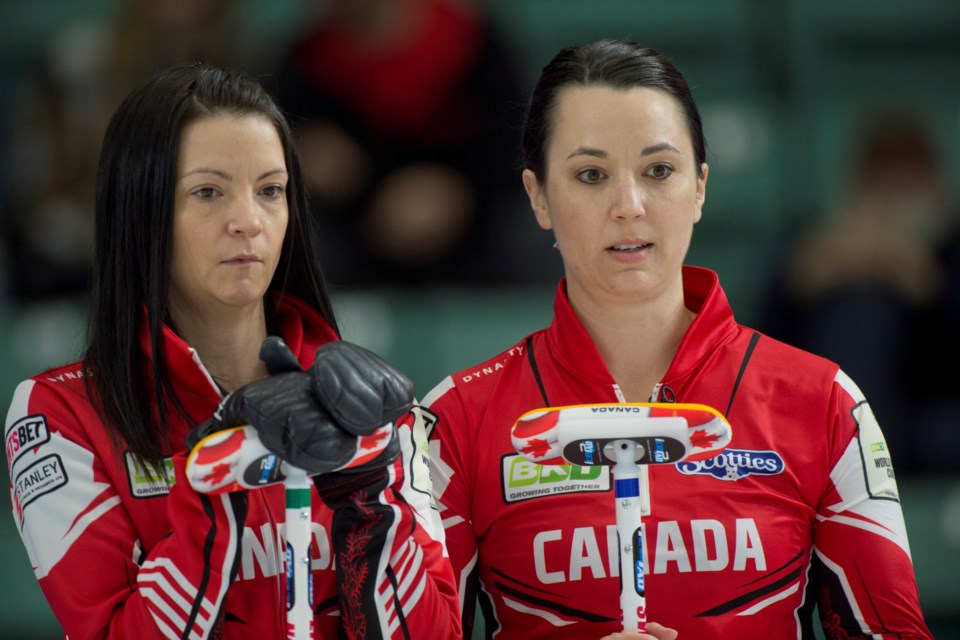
781	85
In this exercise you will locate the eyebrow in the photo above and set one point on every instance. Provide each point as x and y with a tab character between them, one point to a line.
227	176
599	153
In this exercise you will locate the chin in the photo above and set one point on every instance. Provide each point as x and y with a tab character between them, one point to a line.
635	282
243	297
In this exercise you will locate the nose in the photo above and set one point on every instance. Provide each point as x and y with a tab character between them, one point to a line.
627	200
244	219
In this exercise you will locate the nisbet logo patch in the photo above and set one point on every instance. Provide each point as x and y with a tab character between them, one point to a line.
525	480
25	434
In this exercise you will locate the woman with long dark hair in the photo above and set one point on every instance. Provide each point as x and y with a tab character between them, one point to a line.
204	250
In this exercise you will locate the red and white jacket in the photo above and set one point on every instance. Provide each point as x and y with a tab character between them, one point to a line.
121	555
801	509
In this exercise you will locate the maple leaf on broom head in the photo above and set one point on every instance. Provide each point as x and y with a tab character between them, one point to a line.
217	474
703	439
536	447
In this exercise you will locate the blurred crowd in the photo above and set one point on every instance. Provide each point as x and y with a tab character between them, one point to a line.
61	113
873	283
408	116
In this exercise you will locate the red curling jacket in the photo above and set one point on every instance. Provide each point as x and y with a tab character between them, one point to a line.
120	555
801	509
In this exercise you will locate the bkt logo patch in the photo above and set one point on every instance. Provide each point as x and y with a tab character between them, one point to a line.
734	464
144	484
523	480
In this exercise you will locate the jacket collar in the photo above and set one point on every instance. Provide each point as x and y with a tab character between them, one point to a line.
300	326
714	324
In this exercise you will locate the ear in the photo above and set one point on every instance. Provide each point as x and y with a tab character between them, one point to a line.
538	199
701	191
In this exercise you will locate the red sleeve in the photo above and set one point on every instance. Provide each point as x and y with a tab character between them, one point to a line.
394	580
73	523
862	567
450	476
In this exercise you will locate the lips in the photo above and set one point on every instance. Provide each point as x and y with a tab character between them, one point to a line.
244	258
630	247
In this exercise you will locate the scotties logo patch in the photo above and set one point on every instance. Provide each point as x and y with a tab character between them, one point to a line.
735	464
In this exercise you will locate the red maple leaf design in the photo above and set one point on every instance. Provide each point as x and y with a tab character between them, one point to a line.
375	438
355	569
536	447
217	474
830	619
702	439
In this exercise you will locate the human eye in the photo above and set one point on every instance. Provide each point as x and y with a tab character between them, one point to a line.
205	193
660	171
590	176
273	190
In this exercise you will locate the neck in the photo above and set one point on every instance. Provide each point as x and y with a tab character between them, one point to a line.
227	341
637	341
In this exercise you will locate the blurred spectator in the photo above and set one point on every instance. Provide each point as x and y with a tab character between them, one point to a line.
7	79
63	111
407	113
875	285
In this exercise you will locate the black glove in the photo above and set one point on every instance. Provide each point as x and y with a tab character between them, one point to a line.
312	420
360	389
